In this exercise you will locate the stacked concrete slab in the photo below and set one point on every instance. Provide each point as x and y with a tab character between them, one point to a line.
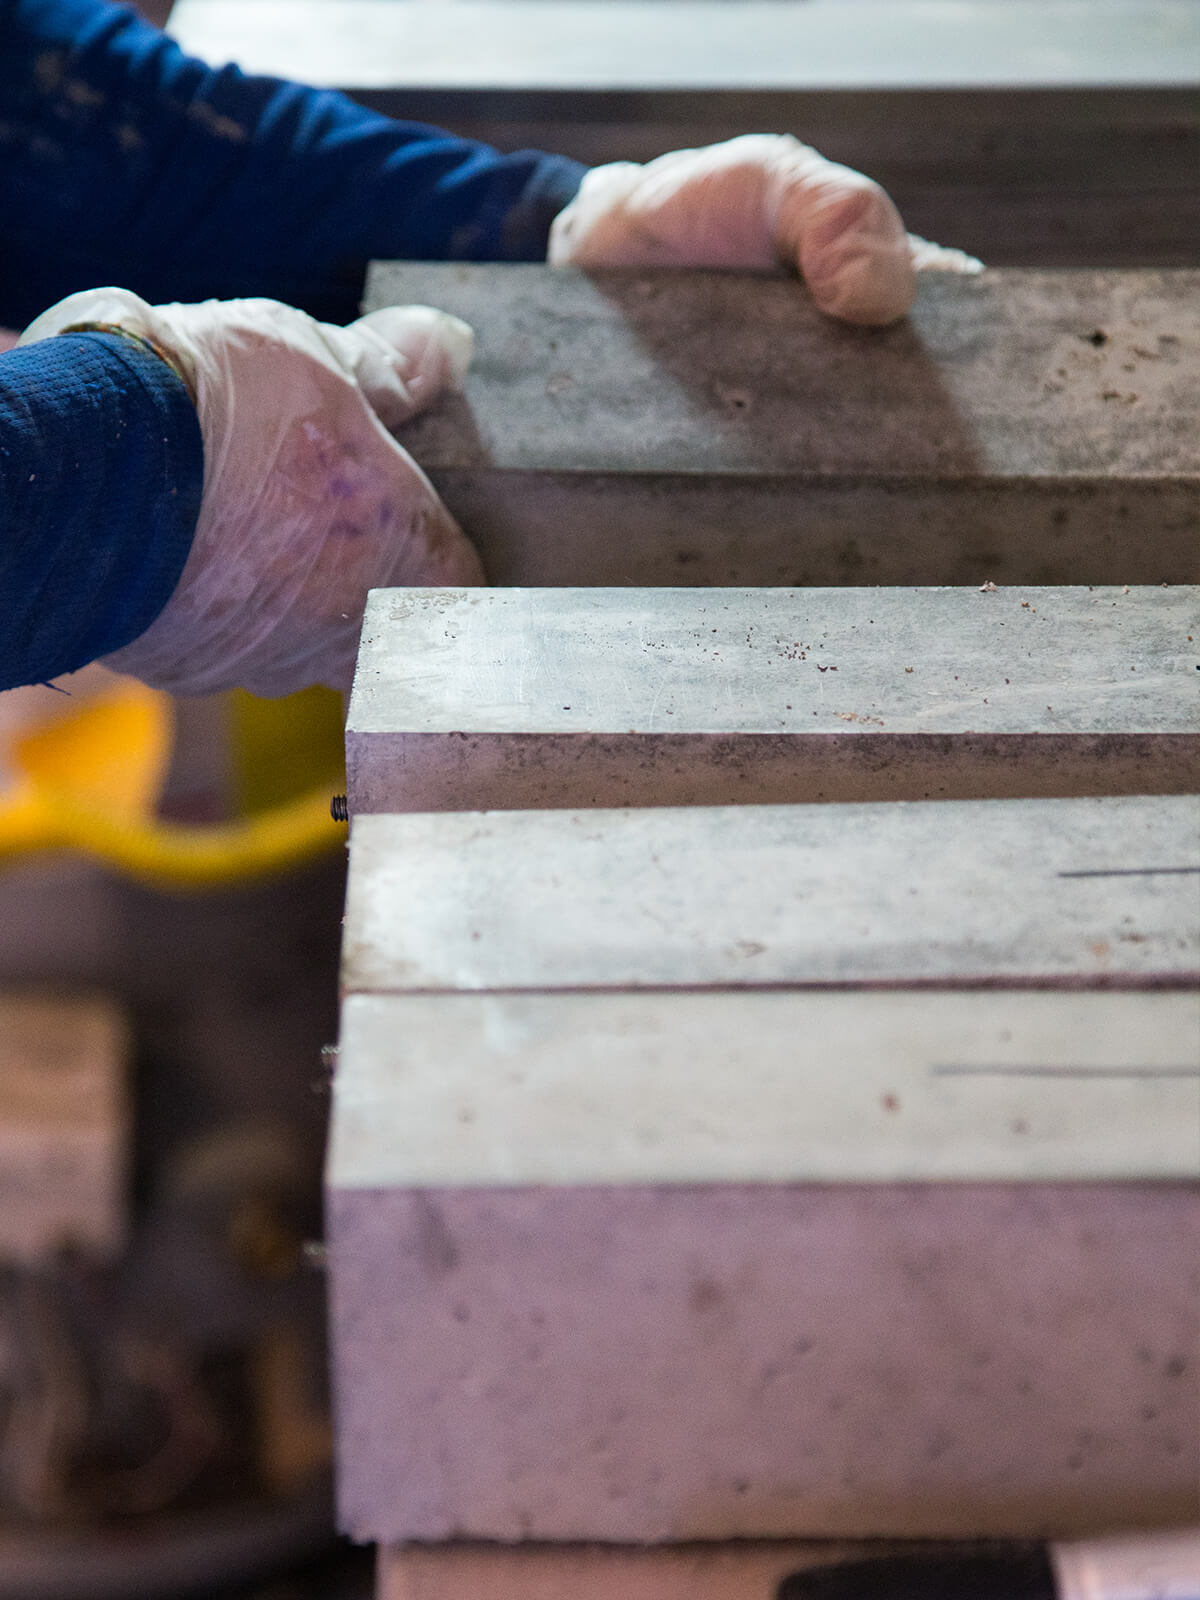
714	429
819	1167
475	700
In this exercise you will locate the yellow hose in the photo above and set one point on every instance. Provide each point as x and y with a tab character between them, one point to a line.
168	854
90	780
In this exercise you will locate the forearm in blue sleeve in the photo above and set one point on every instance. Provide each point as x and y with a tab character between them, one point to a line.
101	472
124	161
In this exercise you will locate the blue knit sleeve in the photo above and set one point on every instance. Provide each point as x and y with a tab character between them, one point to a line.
101	470
124	161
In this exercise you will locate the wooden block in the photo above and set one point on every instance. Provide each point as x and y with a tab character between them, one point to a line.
1062	134
748	1570
1136	1563
714	429
64	1125
474	700
1091	892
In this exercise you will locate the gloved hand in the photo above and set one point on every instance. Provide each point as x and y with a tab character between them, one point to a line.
756	201
308	502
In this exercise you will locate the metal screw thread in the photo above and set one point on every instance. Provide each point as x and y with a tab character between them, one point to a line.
338	809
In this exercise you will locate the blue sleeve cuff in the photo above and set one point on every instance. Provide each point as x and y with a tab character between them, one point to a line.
124	161
101	474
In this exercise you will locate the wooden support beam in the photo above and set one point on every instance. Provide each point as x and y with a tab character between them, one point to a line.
517	698
714	429
65	1126
748	1570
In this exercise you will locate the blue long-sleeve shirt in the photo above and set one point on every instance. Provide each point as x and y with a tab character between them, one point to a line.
123	161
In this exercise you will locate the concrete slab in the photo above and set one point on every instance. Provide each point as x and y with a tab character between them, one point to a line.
713	429
522	45
521	698
1091	892
655	1363
638	1234
486	1091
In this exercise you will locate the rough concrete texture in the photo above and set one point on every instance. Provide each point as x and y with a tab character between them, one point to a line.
511	698
664	1363
569	1307
713	428
1092	892
483	1091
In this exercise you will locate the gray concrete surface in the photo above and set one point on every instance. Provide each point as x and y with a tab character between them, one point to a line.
517	698
1090	892
661	1363
713	428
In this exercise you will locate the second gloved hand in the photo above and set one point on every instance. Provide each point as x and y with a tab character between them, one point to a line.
308	502
758	201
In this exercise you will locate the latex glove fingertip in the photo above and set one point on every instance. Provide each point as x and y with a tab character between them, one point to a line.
427	337
930	257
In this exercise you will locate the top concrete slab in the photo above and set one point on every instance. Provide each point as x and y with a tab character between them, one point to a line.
1092	376
714	428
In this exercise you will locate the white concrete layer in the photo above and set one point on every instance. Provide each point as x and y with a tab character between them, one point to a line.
484	1090
701	44
665	1363
757	660
1082	892
473	700
65	1125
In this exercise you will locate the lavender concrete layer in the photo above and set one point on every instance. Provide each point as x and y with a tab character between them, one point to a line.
484	1091
65	1126
659	1363
713	428
1091	892
472	700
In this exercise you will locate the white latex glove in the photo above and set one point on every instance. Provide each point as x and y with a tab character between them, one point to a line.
755	202
308	502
